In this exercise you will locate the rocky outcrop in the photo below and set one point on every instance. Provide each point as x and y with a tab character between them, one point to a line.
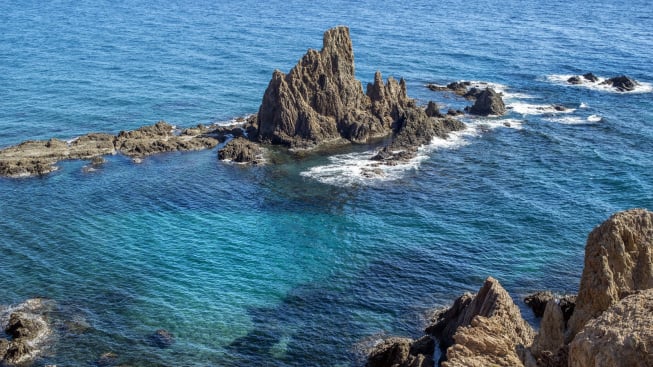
487	329
402	352
621	83
618	262
32	158
488	102
580	79
28	330
320	100
620	336
241	150
161	338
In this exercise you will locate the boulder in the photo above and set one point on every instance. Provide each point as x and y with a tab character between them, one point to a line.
159	138
487	103
620	336
403	352
618	262
621	83
241	150
488	328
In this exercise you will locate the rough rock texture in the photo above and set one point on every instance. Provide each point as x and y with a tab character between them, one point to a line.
432	110
552	330
320	100
403	352
447	321
537	302
487	103
621	336
590	77
241	150
621	83
28	329
618	262
488	329
40	157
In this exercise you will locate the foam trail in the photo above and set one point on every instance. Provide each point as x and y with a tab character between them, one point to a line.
641	87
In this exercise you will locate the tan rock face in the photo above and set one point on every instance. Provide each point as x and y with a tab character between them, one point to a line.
618	262
552	329
320	99
490	328
621	336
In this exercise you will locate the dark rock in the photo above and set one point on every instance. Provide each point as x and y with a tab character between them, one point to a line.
320	100
488	102
241	150
162	338
575	80
591	77
473	93
567	304
437	88
403	352
537	302
446	323
622	83
432	110
107	359
452	112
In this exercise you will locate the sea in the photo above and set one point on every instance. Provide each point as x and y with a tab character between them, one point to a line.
308	260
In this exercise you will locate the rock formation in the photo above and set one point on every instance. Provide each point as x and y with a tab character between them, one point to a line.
320	101
490	329
620	336
580	79
618	262
28	329
40	157
161	338
621	83
537	302
403	352
552	330
488	102
241	150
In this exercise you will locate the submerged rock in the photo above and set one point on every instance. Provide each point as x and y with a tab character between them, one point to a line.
28	329
161	338
620	336
618	262
487	103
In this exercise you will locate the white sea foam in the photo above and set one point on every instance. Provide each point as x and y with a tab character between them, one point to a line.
576	120
641	87
359	168
583	105
536	109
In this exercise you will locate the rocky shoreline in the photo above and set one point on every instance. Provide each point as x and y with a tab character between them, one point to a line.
610	323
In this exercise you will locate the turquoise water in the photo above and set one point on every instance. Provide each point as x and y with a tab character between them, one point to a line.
300	262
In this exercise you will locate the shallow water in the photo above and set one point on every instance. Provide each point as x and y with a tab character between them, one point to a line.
301	262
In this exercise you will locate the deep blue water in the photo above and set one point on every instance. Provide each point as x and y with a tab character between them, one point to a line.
300	262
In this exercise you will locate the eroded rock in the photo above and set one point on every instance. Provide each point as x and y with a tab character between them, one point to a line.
487	328
537	301
618	262
620	336
621	83
28	329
